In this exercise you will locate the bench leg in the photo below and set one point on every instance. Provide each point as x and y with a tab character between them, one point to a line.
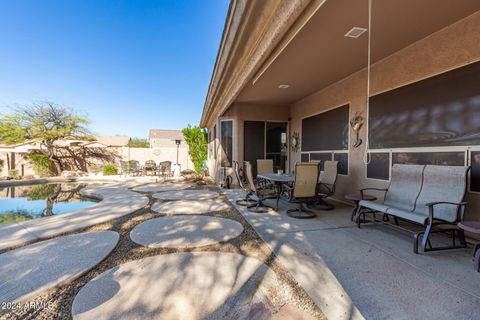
357	216
477	261
476	248
425	237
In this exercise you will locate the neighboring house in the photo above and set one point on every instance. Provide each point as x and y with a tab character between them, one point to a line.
159	138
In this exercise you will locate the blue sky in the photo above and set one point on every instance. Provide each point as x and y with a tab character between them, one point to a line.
128	65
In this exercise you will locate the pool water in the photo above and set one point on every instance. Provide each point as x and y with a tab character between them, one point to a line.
24	203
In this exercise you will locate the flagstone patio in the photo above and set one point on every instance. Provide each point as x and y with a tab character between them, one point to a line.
194	260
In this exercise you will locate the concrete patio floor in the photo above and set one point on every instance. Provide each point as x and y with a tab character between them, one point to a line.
370	272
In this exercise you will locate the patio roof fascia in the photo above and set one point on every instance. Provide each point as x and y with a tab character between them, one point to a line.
254	30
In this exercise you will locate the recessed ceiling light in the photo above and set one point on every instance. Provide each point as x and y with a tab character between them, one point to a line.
355	32
284	86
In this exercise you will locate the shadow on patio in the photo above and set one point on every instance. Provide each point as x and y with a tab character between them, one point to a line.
370	272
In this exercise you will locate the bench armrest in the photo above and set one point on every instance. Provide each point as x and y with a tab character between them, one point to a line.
430	204
461	208
375	189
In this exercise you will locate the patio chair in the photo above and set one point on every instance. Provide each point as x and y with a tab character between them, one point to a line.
326	184
304	189
243	184
134	167
264	165
150	166
261	193
124	167
165	168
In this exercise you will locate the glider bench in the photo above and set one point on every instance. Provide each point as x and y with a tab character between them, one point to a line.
427	195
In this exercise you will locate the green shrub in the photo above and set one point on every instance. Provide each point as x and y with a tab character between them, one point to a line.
196	139
110	170
13	174
42	164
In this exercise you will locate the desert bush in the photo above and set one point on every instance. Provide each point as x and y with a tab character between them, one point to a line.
196	139
13	174
110	170
42	164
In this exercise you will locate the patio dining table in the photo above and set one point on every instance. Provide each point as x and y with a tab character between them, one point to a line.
278	179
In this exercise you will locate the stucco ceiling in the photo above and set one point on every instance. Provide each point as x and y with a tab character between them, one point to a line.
320	55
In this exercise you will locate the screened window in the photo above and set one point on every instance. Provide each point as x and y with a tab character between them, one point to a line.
379	166
227	143
435	158
326	131
439	111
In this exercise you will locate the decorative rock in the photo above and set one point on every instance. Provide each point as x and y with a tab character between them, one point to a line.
186	195
200	285
190	207
185	231
27	271
156	187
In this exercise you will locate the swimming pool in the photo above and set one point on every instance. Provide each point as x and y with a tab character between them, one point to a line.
22	203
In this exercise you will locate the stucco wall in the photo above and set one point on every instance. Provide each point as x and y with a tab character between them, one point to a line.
121	153
158	155
446	49
21	160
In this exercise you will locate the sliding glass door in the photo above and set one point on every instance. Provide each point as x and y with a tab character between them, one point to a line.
265	140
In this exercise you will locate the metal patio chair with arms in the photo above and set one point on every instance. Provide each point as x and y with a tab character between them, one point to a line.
304	189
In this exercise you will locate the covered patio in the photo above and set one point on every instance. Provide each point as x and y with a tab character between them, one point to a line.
368	84
371	272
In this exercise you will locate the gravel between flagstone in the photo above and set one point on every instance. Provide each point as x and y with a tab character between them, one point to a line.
58	301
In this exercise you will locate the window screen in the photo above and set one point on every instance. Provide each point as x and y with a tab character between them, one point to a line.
475	174
322	157
227	143
342	159
326	131
379	166
215	142
435	158
439	111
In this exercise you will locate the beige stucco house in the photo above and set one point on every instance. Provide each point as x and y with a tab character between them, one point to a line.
306	68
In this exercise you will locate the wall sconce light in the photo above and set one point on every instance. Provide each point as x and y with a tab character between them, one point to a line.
356	123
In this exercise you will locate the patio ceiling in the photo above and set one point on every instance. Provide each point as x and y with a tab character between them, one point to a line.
320	55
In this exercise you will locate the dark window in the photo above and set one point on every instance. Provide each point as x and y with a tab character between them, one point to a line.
379	166
322	157
253	142
305	157
326	131
475	174
439	111
227	143
215	142
342	159
435	158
